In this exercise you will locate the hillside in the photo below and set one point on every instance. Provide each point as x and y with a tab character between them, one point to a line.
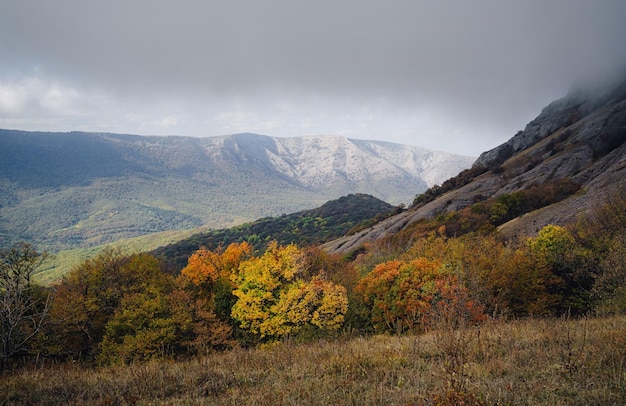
309	227
70	190
575	149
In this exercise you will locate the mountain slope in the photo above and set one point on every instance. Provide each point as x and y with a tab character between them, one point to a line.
577	140
67	190
306	228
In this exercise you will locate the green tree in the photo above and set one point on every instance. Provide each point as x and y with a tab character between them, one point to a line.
92	293
146	324
24	305
568	280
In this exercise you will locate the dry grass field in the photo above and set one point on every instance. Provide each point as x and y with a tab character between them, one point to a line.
524	362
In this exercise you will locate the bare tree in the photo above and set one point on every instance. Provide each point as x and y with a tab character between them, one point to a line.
23	304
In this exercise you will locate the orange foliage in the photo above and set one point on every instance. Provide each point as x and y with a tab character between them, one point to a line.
453	306
399	292
206	267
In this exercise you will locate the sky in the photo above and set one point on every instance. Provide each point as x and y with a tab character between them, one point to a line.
451	75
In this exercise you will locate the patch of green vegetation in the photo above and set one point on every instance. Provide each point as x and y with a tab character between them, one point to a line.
456	182
310	227
59	264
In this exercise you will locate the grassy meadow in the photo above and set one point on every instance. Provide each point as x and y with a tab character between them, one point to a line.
520	362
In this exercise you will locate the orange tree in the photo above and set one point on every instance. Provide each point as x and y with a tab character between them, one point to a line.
277	295
206	288
402	294
211	271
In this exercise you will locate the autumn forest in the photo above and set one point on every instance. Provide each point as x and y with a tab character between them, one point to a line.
436	276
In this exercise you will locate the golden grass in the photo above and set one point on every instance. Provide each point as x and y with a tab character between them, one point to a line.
528	362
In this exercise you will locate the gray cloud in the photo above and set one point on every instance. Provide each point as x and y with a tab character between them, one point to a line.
453	75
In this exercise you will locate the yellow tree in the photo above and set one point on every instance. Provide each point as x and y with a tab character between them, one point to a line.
568	280
275	298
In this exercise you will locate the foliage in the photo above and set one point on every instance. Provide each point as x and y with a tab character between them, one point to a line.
205	268
406	295
92	294
310	227
346	274
551	245
569	282
123	308
609	288
145	325
275	299
463	178
484	216
602	235
207	284
23	304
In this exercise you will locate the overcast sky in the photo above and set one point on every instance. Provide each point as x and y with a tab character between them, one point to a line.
453	75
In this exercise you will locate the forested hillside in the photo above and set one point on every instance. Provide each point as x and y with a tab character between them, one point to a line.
334	219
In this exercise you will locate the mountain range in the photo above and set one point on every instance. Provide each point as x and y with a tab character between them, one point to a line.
78	189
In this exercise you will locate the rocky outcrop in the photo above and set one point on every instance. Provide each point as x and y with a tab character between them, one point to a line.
577	105
581	138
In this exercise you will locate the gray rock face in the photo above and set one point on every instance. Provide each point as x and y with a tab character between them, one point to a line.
581	137
560	114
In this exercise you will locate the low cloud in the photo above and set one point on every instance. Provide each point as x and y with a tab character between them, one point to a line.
457	75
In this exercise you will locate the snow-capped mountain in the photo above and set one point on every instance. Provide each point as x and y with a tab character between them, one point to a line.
87	188
331	162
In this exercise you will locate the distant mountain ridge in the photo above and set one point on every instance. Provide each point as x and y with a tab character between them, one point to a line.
64	190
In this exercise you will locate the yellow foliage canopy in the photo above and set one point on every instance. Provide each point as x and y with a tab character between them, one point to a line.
273	298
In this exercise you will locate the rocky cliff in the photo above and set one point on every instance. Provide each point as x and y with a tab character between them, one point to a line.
579	138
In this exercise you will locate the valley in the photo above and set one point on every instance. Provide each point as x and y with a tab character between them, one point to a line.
65	191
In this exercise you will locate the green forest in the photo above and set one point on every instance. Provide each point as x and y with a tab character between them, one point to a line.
335	218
